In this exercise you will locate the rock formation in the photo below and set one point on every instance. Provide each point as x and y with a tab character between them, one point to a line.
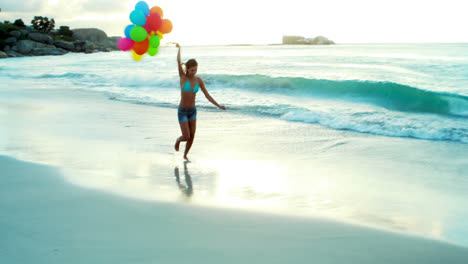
25	42
298	40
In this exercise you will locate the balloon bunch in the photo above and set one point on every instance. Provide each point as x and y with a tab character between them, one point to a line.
146	32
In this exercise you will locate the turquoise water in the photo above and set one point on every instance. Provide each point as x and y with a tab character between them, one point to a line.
398	90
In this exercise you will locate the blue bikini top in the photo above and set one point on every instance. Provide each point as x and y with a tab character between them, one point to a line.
188	88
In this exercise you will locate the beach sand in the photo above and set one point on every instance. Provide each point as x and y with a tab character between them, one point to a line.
47	220
111	189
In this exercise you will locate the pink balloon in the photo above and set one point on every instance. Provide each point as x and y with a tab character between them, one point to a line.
154	21
148	29
125	44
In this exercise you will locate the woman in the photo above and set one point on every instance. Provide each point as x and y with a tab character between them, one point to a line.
187	113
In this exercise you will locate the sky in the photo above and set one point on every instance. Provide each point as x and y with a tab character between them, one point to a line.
206	22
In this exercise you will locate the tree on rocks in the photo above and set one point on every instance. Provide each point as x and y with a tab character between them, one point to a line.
43	24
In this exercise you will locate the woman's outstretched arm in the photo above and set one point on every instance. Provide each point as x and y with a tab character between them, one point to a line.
207	95
179	62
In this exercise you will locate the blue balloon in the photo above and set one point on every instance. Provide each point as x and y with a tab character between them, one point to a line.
137	17
127	31
143	6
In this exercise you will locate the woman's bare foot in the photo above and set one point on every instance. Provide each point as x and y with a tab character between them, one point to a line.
177	145
185	157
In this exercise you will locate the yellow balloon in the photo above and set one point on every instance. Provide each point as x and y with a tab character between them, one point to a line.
136	57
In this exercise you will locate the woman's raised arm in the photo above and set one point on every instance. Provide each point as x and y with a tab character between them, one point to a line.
179	62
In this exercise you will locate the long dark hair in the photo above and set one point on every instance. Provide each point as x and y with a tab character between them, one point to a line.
189	64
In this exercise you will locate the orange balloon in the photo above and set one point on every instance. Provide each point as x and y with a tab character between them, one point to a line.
166	26
157	9
141	47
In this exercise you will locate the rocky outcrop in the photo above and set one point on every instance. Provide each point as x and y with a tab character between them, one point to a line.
10	41
24	42
98	39
14	54
49	50
24	32
320	40
90	34
42	38
16	33
298	40
84	46
66	45
3	55
29	47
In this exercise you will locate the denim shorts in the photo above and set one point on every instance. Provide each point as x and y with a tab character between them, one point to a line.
187	114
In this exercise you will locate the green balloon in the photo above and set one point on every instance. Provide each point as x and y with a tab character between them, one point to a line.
138	33
155	41
152	51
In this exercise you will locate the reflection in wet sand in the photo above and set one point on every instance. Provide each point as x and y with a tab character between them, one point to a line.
187	191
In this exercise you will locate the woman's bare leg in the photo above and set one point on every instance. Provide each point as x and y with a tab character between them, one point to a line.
193	128
184	127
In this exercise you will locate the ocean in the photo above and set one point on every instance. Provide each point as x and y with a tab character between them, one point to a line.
396	90
382	129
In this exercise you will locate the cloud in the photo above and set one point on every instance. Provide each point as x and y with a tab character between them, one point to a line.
22	6
58	7
104	6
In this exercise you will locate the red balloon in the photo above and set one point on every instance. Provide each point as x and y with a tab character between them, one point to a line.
147	29
154	21
141	47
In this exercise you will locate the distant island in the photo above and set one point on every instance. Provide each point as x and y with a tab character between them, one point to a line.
19	40
298	40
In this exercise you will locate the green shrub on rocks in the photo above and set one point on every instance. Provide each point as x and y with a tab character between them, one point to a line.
5	28
64	33
19	23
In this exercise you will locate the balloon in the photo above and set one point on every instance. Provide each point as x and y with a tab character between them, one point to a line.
127	30
141	47
143	6
154	21
158	10
136	56
166	26
138	17
125	44
154	41
138	33
152	51
147	29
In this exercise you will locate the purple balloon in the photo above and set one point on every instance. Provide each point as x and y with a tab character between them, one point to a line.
125	44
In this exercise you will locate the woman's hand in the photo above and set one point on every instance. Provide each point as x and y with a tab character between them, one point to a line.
177	45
